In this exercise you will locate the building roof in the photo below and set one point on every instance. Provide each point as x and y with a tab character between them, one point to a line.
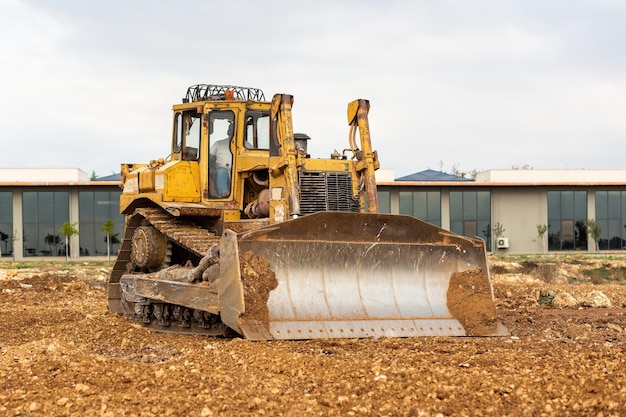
520	178
31	177
564	176
432	175
112	177
43	175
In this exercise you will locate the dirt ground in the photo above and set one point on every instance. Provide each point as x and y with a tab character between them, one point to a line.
63	354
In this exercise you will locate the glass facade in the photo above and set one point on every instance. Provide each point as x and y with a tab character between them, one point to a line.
95	208
567	220
43	213
425	205
611	218
6	223
470	214
384	202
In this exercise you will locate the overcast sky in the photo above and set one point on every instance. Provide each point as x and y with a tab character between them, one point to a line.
473	84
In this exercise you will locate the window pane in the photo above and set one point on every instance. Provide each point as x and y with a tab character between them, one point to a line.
434	207
61	207
193	123
46	207
554	204
102	207
567	204
29	207
615	234
580	205
48	240
43	214
601	205
484	231
420	205
406	202
567	234
29	238
614	205
484	205
85	206
469	205
384	201
263	132
220	153
6	223
116	216
456	226
6	207
470	228
603	241
456	207
87	239
567	218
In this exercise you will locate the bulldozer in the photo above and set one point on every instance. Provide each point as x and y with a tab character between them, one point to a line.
240	232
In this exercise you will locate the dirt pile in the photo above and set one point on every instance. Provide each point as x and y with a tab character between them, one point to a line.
469	301
258	281
63	354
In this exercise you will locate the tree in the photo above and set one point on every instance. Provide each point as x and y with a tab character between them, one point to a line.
521	167
498	231
456	170
541	231
4	237
463	174
52	241
594	231
108	229
68	230
93	176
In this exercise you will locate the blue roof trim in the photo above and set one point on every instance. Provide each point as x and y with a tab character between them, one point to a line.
112	177
432	175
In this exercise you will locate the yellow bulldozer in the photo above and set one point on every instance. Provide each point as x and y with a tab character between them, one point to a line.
240	232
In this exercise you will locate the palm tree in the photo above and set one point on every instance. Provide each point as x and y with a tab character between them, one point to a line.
594	231
108	228
68	230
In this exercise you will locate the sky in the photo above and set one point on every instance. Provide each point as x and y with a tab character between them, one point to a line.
452	85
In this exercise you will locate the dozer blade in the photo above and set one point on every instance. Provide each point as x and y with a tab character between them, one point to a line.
358	275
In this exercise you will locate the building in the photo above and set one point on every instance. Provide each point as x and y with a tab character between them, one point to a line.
520	202
35	202
506	208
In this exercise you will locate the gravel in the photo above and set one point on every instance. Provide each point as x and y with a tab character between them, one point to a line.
63	354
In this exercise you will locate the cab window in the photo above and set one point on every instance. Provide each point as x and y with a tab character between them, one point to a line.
187	130
257	130
221	133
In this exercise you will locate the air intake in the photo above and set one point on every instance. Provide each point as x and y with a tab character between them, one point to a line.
326	191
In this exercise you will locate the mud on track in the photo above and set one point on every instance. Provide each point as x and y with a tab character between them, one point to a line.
62	353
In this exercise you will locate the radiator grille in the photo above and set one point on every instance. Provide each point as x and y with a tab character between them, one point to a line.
326	191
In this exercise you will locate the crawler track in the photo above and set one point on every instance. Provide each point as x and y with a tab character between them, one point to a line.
185	234
158	316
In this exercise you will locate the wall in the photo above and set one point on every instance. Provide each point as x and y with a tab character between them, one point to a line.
43	175
569	176
519	211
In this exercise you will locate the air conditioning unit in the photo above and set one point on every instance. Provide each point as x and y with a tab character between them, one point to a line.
503	243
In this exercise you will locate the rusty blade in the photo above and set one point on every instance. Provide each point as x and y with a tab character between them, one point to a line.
369	275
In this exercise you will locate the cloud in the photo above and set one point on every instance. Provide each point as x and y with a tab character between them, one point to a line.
487	84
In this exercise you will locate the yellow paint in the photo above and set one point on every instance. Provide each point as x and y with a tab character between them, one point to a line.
231	215
182	182
146	180
327	165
